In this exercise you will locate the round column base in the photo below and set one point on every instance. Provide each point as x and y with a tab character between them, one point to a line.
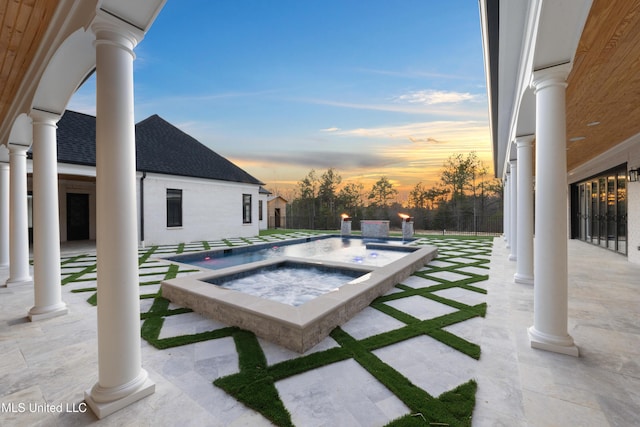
525	279
17	282
553	343
106	401
47	312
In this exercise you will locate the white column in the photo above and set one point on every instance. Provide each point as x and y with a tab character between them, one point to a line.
513	211
18	216
4	214
46	224
505	208
524	269
121	379
549	330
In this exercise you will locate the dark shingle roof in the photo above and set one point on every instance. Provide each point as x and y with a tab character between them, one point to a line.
160	148
76	139
263	190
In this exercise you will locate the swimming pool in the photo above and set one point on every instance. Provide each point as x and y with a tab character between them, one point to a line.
373	252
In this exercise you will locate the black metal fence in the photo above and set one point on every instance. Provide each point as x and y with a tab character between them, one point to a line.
458	225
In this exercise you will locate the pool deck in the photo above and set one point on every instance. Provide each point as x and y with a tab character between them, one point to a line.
55	360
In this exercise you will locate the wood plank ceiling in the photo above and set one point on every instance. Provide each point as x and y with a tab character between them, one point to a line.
23	23
603	92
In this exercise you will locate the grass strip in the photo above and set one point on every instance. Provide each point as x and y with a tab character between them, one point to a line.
253	386
430	327
151	330
93	299
432	410
146	255
80	290
71	259
74	277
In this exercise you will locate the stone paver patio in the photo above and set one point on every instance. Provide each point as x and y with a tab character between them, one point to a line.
428	330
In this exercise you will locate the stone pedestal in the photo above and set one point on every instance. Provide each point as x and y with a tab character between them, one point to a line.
345	227
407	229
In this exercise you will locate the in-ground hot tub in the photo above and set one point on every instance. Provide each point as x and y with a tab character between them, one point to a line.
288	282
295	327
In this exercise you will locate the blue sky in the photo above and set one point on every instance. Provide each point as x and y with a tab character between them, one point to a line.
372	88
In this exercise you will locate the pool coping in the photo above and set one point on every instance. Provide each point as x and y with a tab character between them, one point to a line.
296	328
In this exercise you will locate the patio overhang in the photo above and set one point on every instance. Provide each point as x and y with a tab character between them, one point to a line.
49	48
600	41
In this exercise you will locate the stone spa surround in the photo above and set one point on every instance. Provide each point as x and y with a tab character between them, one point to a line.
296	328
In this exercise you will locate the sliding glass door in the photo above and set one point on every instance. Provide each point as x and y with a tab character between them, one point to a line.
601	210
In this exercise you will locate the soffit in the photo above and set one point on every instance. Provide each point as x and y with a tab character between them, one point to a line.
23	23
604	83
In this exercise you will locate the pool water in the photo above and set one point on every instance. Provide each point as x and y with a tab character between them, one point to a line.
350	250
288	284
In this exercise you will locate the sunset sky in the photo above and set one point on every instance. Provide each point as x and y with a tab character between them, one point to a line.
371	88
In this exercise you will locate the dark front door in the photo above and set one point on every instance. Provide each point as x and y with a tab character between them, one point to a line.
77	216
277	218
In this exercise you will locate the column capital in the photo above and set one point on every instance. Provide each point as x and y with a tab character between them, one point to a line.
18	147
44	117
524	141
550	76
110	29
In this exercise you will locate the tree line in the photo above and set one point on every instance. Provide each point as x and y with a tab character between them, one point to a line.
464	199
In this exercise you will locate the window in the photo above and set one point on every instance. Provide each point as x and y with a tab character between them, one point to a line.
246	208
259	210
174	208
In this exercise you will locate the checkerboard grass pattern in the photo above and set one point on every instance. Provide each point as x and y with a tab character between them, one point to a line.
453	282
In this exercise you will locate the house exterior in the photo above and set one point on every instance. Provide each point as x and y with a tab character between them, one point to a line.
277	212
565	121
263	216
185	191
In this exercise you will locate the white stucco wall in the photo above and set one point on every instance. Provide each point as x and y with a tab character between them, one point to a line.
211	210
263	224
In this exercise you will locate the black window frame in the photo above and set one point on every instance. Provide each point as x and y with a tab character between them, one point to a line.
246	208
174	207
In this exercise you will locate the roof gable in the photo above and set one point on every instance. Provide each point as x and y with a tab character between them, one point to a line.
160	148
